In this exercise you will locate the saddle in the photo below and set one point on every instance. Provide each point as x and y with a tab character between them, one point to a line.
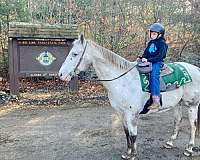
146	68
172	76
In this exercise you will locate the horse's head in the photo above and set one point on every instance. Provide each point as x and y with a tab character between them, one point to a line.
77	59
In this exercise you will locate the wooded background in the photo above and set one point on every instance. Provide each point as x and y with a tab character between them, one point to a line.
119	25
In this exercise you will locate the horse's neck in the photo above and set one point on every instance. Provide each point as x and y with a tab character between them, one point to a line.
107	64
124	87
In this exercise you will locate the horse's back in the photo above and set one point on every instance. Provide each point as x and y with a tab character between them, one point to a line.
193	70
192	90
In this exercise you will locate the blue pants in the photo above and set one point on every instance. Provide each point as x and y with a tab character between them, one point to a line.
155	79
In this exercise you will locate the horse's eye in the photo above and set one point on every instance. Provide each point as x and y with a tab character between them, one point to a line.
74	54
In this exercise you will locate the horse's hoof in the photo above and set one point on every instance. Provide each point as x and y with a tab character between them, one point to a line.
125	156
168	145
187	153
128	157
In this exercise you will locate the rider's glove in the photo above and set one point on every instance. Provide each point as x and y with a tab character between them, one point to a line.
144	60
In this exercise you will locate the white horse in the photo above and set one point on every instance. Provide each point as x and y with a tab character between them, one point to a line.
125	92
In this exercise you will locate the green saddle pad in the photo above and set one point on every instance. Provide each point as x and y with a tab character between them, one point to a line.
179	76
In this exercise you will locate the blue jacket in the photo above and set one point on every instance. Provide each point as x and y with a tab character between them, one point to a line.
156	50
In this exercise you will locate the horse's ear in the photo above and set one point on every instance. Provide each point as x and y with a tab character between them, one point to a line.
82	38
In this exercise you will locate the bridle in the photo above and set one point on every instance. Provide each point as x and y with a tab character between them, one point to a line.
99	80
81	57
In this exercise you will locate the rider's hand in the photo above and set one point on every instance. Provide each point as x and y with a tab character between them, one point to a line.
138	59
144	60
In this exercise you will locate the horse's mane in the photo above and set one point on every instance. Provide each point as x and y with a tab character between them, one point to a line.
113	58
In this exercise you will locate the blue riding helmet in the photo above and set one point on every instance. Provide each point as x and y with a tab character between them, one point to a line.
157	27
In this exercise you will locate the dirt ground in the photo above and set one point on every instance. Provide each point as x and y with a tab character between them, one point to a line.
83	132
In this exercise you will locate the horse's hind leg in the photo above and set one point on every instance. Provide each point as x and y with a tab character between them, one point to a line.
177	121
192	115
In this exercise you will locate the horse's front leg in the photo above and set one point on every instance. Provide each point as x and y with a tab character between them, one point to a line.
128	142
130	129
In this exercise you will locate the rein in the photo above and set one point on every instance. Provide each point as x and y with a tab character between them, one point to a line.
101	80
107	80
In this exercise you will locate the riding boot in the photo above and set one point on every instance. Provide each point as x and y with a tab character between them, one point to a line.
156	103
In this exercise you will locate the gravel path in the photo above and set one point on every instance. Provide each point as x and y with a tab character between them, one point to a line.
84	133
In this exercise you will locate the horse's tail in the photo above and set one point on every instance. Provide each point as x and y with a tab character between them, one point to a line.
198	120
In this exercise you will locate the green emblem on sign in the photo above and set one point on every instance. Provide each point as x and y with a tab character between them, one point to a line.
45	58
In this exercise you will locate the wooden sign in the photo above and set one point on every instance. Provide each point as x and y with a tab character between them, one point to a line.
36	56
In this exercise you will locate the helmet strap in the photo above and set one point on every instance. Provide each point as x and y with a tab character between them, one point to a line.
159	35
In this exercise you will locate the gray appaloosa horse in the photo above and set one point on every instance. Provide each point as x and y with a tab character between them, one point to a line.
125	92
